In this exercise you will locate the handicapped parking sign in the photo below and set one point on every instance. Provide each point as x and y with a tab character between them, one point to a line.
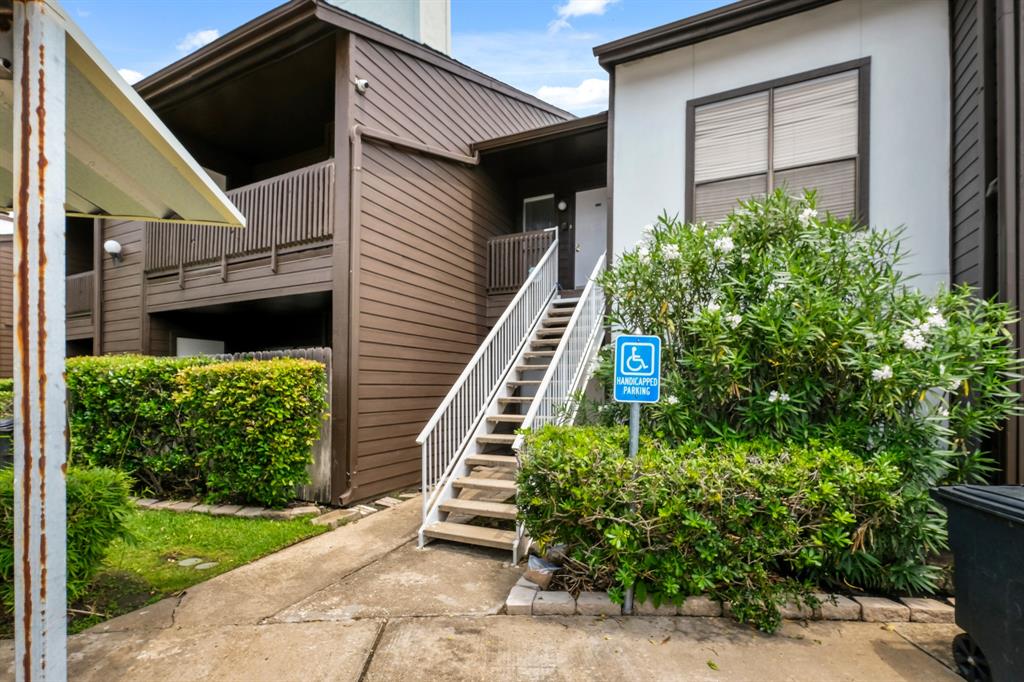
637	369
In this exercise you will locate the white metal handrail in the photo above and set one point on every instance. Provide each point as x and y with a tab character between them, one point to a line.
554	401
446	435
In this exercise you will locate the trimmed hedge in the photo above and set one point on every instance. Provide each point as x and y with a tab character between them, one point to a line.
755	524
97	504
122	416
197	427
252	424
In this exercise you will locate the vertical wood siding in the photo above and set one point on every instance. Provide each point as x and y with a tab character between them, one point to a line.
122	289
972	157
423	251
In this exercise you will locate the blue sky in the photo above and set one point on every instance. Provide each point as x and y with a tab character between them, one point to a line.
540	46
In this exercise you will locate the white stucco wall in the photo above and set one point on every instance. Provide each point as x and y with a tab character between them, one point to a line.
908	43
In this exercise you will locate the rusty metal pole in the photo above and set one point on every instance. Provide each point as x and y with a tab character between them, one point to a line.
40	563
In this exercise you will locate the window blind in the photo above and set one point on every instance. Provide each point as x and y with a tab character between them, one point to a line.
815	121
731	138
835	182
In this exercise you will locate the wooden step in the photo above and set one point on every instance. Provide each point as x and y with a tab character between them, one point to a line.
525	382
539	354
492	510
516	400
563	302
544	343
473	535
559	313
479	460
497	439
560	323
506	419
550	333
492	484
531	368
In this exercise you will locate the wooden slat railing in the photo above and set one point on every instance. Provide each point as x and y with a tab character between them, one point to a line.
286	210
510	258
78	291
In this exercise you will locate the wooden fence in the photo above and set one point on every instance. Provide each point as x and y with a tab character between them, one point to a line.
286	210
319	487
78	292
510	258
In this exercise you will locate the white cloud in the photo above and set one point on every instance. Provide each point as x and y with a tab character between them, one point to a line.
130	75
588	97
577	8
196	39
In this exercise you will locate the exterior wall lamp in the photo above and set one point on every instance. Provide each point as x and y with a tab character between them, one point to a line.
113	247
562	205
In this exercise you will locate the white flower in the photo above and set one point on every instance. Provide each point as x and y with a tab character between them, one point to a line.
670	251
944	412
745	257
648	230
778	397
643	253
672	400
882	373
807	215
954	385
733	319
935	319
713	307
773	287
783	397
913	339
724	244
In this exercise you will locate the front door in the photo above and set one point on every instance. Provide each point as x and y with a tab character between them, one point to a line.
591	231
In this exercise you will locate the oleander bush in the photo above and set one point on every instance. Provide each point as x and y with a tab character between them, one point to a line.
753	523
787	323
98	505
121	415
252	424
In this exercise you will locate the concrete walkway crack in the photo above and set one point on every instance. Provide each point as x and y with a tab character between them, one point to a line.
373	650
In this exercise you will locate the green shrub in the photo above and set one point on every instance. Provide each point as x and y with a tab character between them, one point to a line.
97	507
755	524
6	398
780	322
121	415
253	424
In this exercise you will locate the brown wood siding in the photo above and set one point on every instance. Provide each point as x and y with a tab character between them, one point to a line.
422	263
122	289
972	157
301	272
7	306
416	100
422	300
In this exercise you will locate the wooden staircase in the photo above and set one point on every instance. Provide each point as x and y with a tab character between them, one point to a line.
483	511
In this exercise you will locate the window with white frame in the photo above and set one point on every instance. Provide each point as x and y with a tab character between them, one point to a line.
799	133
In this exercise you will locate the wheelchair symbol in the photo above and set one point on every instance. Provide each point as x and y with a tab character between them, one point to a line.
639	359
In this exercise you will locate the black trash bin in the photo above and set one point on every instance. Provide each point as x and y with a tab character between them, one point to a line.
986	534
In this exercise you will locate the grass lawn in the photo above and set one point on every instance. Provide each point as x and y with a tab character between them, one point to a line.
144	569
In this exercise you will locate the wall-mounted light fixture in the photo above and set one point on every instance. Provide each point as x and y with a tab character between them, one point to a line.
562	205
113	247
362	85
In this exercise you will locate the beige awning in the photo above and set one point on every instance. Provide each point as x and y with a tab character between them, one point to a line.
121	160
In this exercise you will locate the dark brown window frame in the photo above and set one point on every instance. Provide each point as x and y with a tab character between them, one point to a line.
863	67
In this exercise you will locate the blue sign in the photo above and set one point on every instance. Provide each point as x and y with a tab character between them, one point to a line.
637	369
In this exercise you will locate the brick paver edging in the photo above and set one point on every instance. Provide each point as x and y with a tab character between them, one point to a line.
229	509
526	599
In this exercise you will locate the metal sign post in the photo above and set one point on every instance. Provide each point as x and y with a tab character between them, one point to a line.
637	380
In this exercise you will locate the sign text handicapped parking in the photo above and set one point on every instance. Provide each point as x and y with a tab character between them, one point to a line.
637	369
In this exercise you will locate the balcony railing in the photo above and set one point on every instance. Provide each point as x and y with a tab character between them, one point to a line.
510	258
286	210
78	291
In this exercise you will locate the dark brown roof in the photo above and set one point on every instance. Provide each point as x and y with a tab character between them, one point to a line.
572	127
729	18
298	19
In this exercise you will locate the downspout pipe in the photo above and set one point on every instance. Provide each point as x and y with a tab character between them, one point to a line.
357	134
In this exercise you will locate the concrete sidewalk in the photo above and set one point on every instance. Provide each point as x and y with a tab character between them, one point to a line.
362	603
